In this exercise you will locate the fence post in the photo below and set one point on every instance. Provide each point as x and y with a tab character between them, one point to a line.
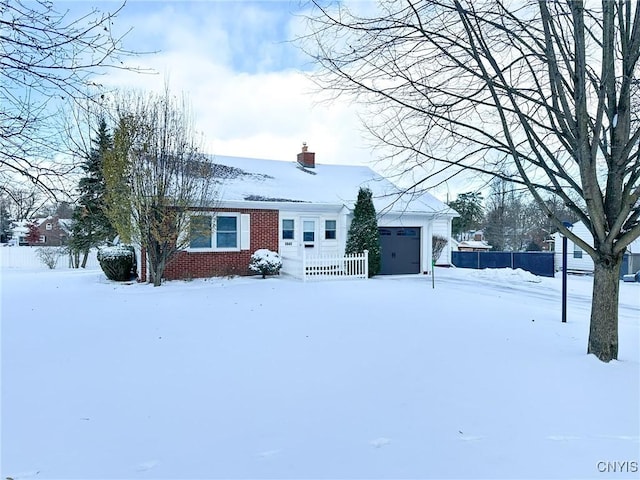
304	264
366	264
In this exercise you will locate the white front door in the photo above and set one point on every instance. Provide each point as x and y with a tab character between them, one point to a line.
310	236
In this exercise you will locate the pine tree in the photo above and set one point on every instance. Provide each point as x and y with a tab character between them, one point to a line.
469	206
5	222
363	232
91	227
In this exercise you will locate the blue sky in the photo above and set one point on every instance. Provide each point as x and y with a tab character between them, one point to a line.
256	36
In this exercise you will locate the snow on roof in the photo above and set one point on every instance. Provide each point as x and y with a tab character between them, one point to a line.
251	179
475	244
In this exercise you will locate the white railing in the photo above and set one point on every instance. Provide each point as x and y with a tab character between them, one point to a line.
327	267
27	257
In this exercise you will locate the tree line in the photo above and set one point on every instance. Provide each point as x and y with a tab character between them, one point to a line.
509	218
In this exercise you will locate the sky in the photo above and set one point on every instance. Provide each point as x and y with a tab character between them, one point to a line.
247	81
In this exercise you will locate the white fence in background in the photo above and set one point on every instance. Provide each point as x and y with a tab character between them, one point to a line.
327	267
27	257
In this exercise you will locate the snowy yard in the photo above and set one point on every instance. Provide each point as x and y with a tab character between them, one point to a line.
251	378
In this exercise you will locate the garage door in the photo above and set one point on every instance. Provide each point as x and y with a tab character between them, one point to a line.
400	250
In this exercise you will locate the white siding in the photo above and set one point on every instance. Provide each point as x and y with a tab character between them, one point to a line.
584	264
293	247
442	227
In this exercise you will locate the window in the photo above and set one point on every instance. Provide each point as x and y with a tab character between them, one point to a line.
42	239
577	252
226	231
200	231
330	229
308	231
48	226
288	229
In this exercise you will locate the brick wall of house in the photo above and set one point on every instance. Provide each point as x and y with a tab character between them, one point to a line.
186	265
55	236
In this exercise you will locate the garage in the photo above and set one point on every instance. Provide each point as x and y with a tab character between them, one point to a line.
399	250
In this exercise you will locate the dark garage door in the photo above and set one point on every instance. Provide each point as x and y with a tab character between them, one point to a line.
400	250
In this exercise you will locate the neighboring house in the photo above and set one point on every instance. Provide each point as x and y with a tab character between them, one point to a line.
476	244
303	208
54	231
580	261
19	232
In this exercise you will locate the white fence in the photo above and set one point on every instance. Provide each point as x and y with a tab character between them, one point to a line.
327	267
27	257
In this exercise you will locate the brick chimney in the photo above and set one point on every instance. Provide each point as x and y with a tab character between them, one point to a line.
305	158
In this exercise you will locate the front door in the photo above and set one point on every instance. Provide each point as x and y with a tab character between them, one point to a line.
310	236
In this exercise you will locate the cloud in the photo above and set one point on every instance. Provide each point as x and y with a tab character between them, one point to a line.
245	78
233	63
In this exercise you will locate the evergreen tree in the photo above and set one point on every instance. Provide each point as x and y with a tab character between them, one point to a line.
5	222
469	206
91	226
363	232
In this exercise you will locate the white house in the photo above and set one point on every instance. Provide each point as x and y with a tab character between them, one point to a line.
577	259
303	208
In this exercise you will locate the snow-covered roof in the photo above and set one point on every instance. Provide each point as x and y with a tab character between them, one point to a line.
262	180
66	224
474	244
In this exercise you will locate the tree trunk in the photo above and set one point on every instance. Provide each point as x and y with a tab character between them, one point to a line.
157	273
603	330
74	259
157	262
85	256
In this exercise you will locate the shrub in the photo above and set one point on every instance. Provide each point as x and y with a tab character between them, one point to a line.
49	256
117	262
265	262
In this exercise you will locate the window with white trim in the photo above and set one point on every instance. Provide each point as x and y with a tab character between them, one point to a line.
227	231
215	232
577	251
329	229
200	231
49	226
288	229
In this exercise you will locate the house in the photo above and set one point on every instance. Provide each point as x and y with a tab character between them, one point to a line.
302	208
19	232
54	231
580	261
476	244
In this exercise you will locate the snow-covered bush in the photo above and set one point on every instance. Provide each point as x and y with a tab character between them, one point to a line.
117	262
49	255
265	262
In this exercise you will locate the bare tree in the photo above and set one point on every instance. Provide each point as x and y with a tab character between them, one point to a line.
24	201
48	60
155	175
438	243
536	92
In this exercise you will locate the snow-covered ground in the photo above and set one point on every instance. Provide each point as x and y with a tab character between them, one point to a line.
275	378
